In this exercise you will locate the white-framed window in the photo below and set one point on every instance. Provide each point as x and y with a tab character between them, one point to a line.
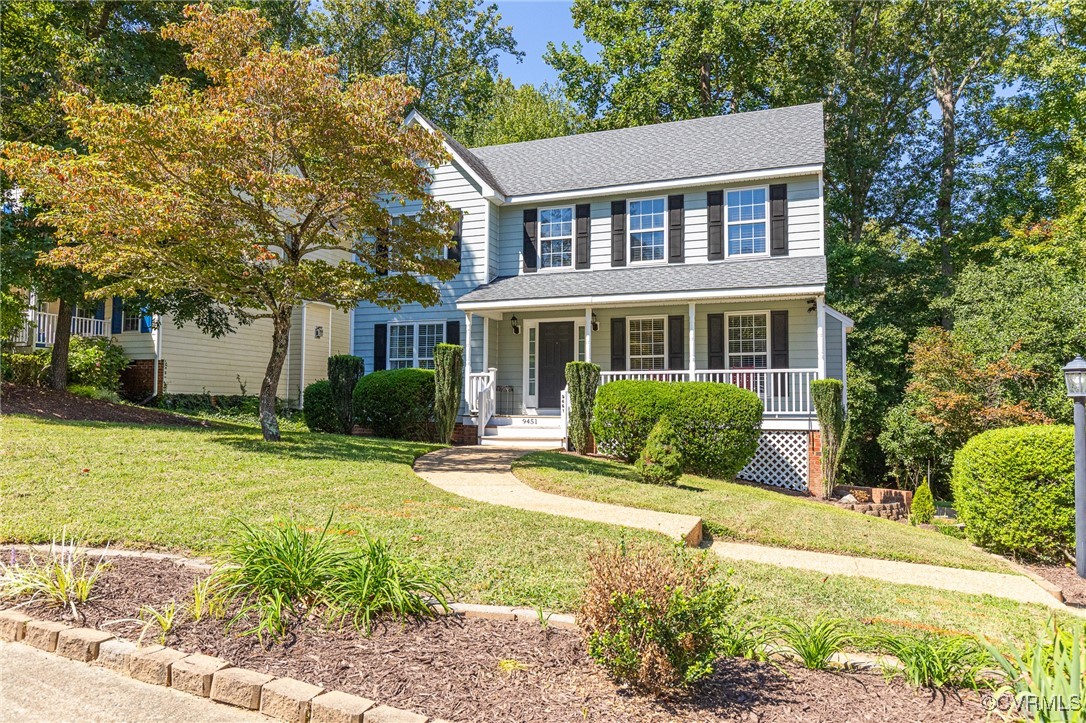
747	213
647	339
412	345
748	341
130	319
556	237
646	224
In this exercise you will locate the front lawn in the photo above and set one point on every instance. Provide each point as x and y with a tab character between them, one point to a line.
752	514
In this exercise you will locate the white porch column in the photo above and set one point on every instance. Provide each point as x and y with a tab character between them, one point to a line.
820	308
486	342
692	364
588	333
467	358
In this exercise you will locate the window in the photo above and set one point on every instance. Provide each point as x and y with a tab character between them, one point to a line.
748	341
648	344
555	237
130	320
647	230
412	345
747	212
531	360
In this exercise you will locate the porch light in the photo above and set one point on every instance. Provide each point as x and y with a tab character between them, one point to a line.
595	322
318	332
516	324
1074	376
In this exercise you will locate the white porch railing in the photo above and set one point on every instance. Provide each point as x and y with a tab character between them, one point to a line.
564	411
476	382
782	391
82	326
41	326
484	404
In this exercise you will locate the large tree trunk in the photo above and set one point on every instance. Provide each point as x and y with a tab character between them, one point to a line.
269	422
944	204
58	362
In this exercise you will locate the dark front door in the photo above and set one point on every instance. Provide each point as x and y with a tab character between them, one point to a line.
556	348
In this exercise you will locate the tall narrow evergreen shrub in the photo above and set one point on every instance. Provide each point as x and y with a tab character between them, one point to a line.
582	379
344	371
449	386
828	396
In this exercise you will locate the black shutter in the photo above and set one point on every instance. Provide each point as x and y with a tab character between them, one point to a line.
116	316
675	357
618	345
618	233
675	252
453	252
778	335
584	236
381	252
716	341
531	231
380	347
452	332
715	208
778	219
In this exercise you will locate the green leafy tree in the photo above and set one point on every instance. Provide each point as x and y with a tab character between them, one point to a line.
243	190
513	115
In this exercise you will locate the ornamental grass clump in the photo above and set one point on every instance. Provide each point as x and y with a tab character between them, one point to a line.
814	643
65	577
1048	676
654	619
935	661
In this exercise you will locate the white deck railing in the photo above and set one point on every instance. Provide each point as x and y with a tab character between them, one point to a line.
477	381
484	404
41	326
782	391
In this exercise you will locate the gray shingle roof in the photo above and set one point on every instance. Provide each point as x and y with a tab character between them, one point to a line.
759	140
761	273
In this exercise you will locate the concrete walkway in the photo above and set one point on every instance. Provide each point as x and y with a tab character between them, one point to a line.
485	474
36	686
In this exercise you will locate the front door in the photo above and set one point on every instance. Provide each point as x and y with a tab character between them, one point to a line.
556	349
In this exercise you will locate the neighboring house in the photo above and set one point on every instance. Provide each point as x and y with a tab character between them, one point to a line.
678	251
187	361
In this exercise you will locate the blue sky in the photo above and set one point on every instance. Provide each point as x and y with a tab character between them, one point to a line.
534	25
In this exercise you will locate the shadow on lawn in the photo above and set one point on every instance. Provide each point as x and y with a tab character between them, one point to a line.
557	461
313	446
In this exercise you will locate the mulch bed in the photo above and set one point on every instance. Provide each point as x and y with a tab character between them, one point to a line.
50	404
1065	578
484	670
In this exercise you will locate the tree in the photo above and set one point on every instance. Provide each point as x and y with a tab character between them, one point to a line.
244	190
513	115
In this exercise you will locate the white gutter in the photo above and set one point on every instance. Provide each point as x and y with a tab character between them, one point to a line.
638	299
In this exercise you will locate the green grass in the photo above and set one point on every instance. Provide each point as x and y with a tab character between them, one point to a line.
752	514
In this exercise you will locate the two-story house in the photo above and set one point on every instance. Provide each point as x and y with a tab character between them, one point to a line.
692	250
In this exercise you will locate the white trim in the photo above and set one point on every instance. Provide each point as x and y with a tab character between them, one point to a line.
629	340
821	212
844	367
728	222
768	338
485	190
783	292
588	334
663	230
467	359
539	267
301	379
415	359
846	322
820	306
531	401
692	360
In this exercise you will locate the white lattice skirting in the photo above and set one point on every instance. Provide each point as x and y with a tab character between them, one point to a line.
781	460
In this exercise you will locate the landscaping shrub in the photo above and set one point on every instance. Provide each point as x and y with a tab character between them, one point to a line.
922	511
935	661
96	362
344	371
320	410
65	577
815	642
582	380
102	395
25	369
717	426
1014	491
448	388
828	396
655	620
660	462
1046	676
397	403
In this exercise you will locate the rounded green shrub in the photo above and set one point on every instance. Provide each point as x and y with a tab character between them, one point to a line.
96	362
922	511
625	413
1015	493
319	409
397	403
660	462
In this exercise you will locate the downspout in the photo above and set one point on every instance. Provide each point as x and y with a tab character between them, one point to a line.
301	379
157	330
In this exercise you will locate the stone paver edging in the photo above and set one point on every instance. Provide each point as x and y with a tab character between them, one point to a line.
485	474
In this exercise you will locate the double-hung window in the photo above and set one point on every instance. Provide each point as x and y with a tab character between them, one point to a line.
648	344
747	213
130	317
412	345
556	237
646	230
748	341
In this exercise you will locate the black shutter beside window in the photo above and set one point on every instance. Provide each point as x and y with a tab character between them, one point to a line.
715	210
716	341
778	335
675	357
676	254
618	233
778	219
583	242
452	332
454	250
380	347
531	232
618	345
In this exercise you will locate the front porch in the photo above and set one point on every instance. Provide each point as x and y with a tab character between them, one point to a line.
40	328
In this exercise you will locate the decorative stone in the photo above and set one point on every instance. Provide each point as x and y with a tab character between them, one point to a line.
115	654
81	643
386	714
487	612
153	665
848	499
42	634
13	625
338	707
194	673
238	686
288	699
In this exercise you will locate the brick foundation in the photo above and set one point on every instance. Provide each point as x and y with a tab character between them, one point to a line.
814	464
465	434
138	379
